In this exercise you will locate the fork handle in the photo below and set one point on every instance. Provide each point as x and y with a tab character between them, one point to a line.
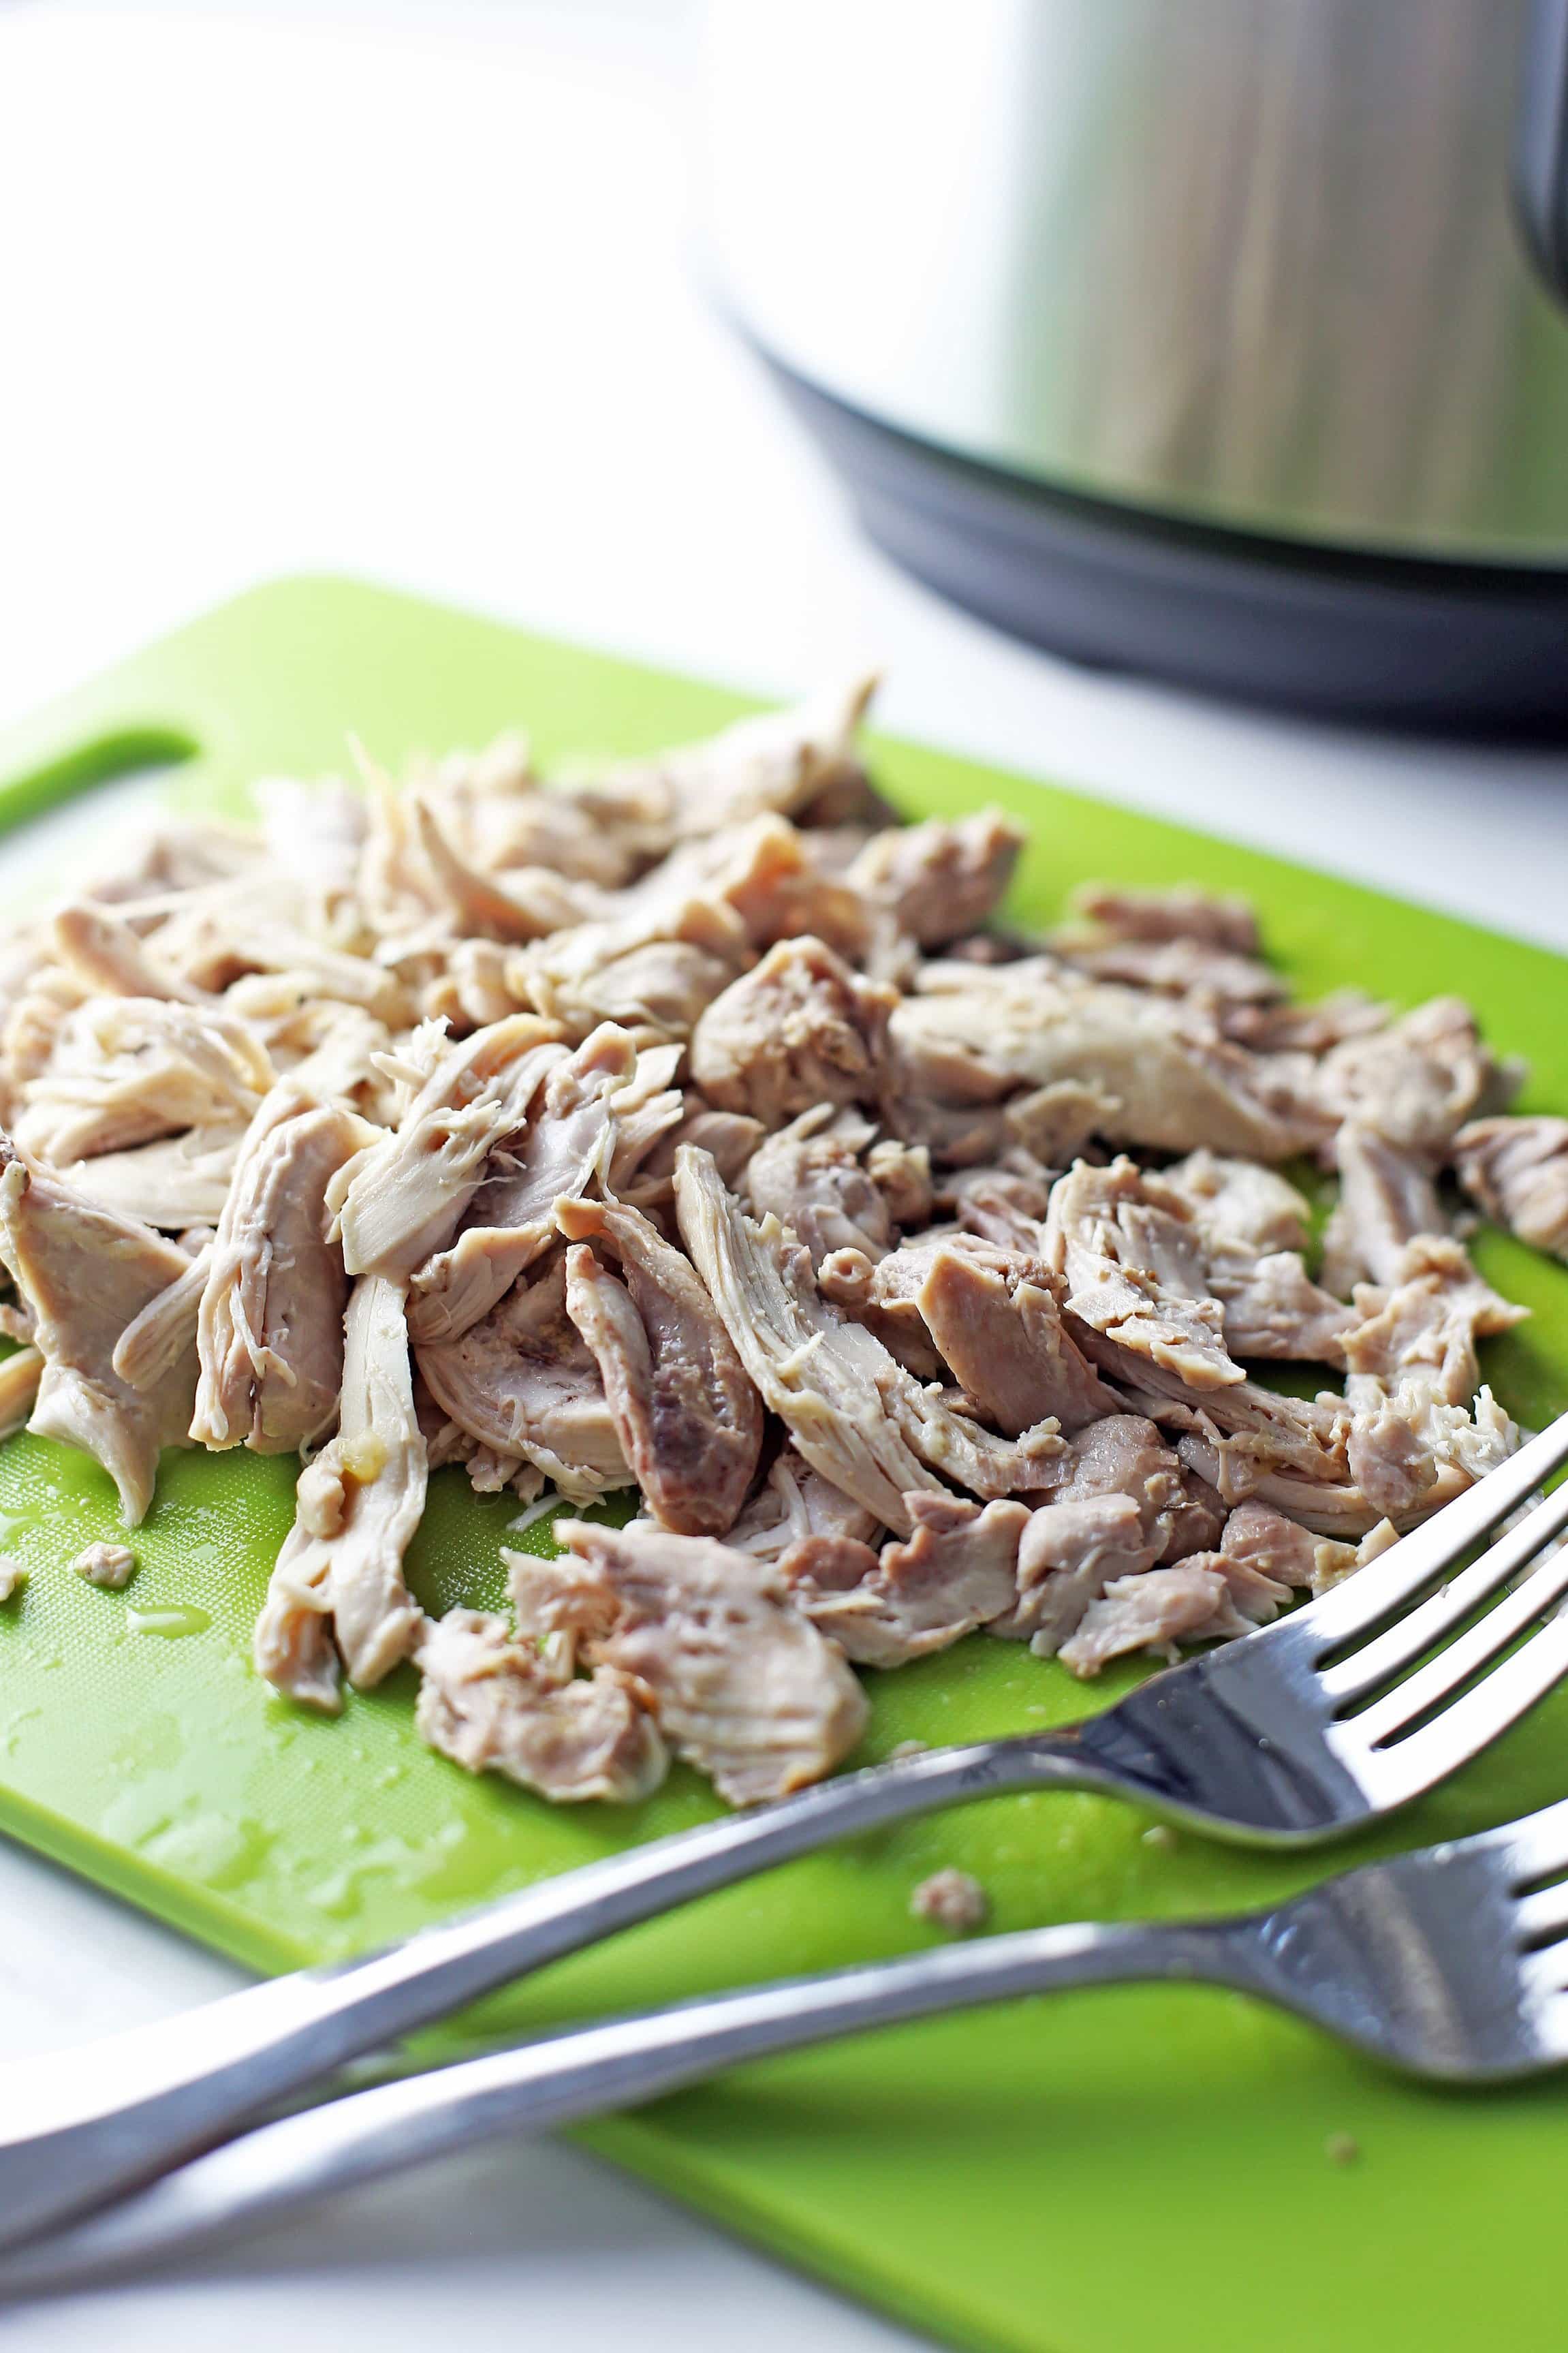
590	2070
76	2126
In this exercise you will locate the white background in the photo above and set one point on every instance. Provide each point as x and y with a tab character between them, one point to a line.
406	290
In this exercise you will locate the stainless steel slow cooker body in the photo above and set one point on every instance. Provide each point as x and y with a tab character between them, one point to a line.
1131	322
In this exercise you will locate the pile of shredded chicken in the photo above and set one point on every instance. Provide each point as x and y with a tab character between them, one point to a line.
694	1131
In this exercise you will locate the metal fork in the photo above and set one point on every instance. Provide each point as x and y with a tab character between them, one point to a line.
1452	1962
1259	1742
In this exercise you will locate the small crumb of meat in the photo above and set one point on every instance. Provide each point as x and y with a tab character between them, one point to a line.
952	1899
13	1577
110	1565
1517	1170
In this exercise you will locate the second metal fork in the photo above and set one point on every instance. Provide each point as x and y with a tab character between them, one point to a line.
1300	1733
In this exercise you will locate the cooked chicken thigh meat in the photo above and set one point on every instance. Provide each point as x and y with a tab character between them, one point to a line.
1518	1171
739	1682
270	1334
85	1274
337	1591
681	1126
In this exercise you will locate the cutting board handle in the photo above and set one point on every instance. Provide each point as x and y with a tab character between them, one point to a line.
35	775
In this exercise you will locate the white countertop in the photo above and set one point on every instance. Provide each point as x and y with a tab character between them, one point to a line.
401	289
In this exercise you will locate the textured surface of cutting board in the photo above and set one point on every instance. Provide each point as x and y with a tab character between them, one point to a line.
1095	2175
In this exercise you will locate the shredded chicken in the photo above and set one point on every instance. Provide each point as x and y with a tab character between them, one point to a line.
1517	1169
20	1373
337	1591
689	1422
852	1409
270	1334
810	1176
401	1198
691	1125
801	1029
1419	1081
597	1112
939	880
523	1382
740	1684
493	1703
956	1571
85	1274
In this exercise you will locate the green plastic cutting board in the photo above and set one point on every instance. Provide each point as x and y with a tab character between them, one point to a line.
1092	2175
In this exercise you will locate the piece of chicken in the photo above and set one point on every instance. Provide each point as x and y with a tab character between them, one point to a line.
153	1342
492	1703
1387	1198
85	1274
741	1686
125	1070
654	971
937	879
802	1029
337	1591
794	1501
793	763
855	1413
401	1198
107	956
271	1329
1412	1375
532	906
1419	1081
20	1373
523	1381
177	1182
955	1571
595	1113
1253	1228
1119	1504
1517	1169
1132	1260
1203	1599
882	1295
811	1176
996	1320
688	1419
1165	1077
